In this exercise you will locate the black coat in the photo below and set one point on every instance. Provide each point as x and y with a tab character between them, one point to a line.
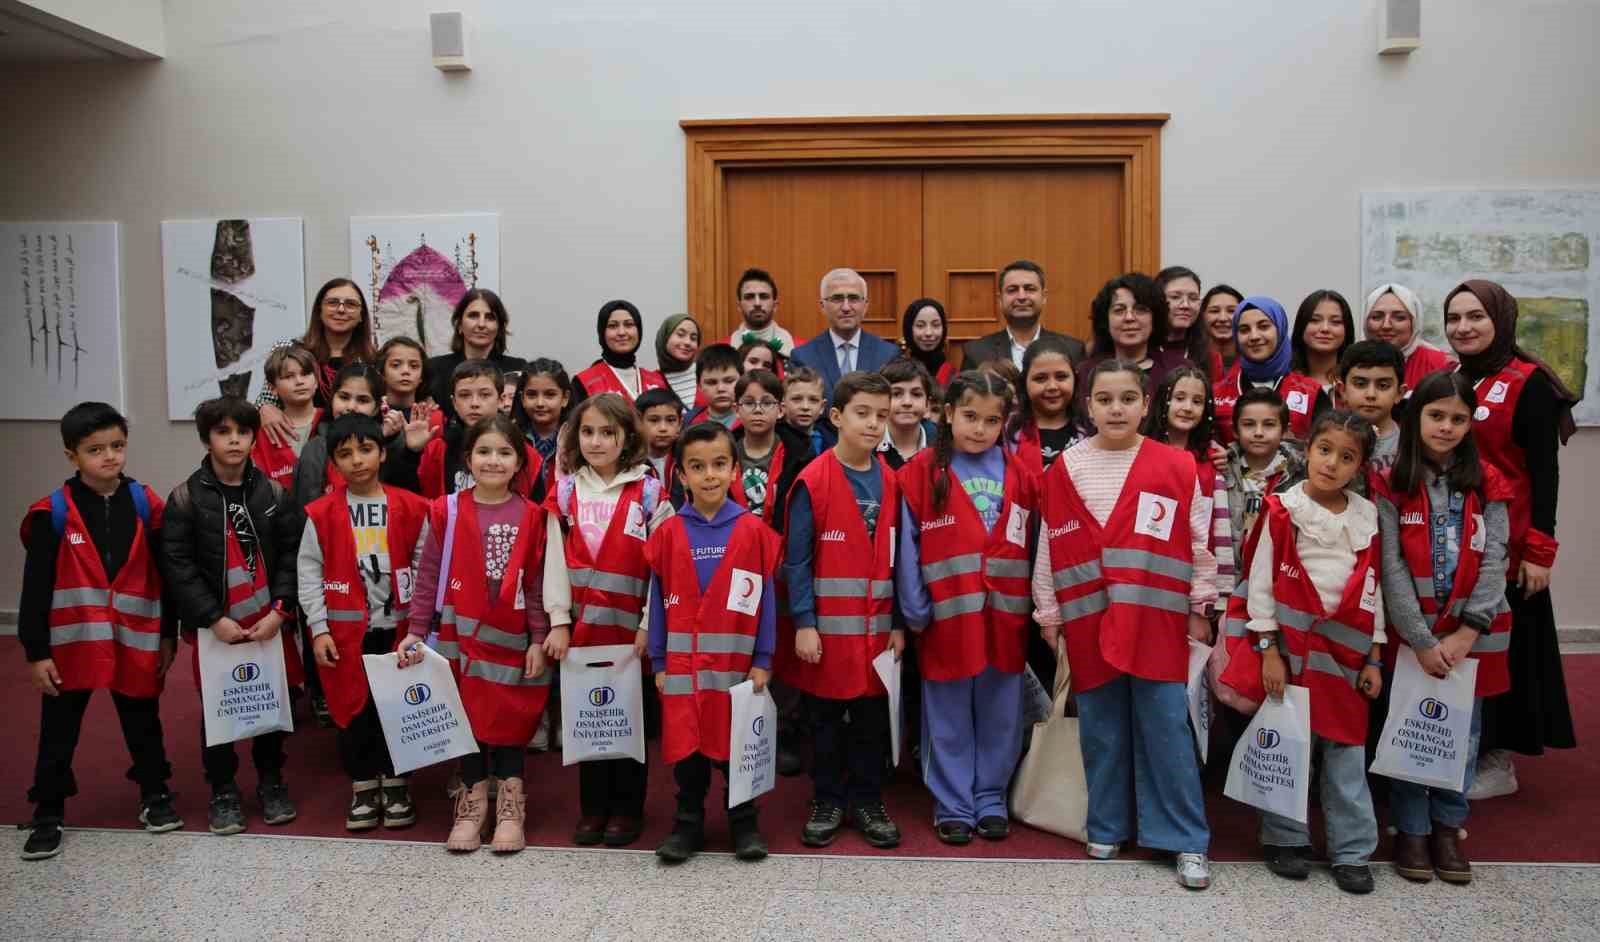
194	557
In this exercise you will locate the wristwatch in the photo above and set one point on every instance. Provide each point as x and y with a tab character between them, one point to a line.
1264	642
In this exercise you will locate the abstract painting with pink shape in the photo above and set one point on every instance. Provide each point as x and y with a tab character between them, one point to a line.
413	270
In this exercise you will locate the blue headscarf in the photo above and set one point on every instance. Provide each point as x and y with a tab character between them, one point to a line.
1276	365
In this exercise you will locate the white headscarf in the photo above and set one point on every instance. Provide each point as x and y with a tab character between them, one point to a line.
1412	303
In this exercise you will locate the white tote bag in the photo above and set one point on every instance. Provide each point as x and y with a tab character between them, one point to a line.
1199	692
602	704
1050	790
1271	767
1429	728
1035	699
419	708
752	743
888	668
243	688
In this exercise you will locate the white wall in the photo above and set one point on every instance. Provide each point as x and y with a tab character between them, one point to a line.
132	28
1281	114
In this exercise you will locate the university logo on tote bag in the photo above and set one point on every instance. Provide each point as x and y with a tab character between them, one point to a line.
1429	728
1271	767
242	688
602	704
752	743
419	709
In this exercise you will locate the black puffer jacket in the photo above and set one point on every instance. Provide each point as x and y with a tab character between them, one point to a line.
194	558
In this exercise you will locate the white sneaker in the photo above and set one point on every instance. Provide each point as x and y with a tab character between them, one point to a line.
1495	776
1194	871
1103	851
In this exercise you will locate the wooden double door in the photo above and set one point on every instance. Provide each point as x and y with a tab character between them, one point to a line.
939	232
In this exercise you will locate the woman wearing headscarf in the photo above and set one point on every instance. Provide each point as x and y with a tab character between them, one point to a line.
1394	315
1524	415
1261	334
620	328
677	343
924	329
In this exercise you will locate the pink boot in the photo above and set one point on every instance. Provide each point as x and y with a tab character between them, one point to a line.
510	813
472	805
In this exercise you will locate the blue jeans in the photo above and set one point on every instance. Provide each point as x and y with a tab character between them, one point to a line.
971	739
1415	807
1346	807
1138	755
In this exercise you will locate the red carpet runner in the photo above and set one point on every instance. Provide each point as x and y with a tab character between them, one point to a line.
1549	820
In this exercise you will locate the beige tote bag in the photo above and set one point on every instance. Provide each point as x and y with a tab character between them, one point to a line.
1050	792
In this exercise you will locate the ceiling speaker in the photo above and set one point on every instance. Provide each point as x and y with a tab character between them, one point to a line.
1399	27
449	42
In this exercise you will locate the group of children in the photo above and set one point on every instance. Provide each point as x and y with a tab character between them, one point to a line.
955	527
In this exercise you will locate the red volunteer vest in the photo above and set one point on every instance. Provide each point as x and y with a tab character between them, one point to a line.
1425	360
1325	650
853	582
1029	451
601	378
345	684
978	579
1299	393
430	469
104	634
1497	404
487	639
1490	650
277	462
608	593
248	601
1123	589
711	636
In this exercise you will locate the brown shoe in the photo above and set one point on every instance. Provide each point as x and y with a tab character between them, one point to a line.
622	831
472	807
510	833
1411	858
1448	861
591	828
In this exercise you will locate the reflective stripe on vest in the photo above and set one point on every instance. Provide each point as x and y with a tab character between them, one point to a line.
605	615
1356	642
681	642
251	605
81	631
504	674
1323	663
1149	562
79	598
852	624
1164	599
1007	568
601	581
853	588
677	684
1070	577
963	565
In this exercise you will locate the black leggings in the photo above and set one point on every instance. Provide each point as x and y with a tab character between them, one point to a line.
499	761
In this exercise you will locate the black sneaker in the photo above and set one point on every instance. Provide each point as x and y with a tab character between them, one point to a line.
157	814
45	840
227	811
398	810
954	833
1353	878
687	838
823	825
276	808
993	827
874	824
1293	863
366	806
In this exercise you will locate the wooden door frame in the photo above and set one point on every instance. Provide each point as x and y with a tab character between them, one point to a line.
714	146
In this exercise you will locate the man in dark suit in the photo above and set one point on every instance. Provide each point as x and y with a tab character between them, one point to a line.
844	346
1022	298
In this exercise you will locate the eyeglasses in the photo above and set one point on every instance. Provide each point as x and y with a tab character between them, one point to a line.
840	300
341	304
758	405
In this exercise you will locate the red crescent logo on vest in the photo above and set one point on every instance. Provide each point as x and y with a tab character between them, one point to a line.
742	591
1159	514
749	587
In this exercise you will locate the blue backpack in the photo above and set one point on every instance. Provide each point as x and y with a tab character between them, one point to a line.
58	506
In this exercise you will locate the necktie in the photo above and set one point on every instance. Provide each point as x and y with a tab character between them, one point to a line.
847	360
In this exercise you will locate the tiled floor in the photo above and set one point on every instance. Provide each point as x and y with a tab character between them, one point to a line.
129	885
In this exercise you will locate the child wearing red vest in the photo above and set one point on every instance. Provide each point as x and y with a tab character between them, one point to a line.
356	569
292	371
228	548
483	566
837	566
770	456
1124	577
91	618
962	586
1524	416
1046	421
606	506
712	625
661	419
1444	529
1316	619
474	395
